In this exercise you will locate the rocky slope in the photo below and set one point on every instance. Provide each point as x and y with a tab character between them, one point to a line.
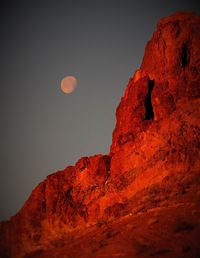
143	198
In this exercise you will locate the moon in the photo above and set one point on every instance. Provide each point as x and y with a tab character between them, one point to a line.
68	84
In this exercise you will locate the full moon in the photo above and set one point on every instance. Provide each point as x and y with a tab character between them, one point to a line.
68	84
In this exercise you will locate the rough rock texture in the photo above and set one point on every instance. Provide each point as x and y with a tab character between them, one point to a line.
143	198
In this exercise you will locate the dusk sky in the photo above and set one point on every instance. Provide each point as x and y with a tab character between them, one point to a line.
101	43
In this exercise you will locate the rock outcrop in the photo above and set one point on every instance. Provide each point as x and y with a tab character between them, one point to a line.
143	198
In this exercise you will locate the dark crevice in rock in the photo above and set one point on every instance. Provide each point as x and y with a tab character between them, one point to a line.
108	160
185	55
149	115
69	197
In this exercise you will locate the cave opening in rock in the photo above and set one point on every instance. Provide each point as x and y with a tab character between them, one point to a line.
185	57
149	115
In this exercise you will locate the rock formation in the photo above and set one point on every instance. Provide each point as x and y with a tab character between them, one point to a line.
143	198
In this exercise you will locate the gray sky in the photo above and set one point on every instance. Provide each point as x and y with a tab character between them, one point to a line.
101	42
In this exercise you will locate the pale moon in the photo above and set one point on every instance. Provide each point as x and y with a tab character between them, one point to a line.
68	84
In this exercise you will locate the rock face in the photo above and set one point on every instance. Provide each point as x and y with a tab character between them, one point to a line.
143	198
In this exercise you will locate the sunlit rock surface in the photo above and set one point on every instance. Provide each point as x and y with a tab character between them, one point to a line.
143	198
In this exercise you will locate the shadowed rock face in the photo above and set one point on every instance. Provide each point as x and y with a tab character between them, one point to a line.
143	198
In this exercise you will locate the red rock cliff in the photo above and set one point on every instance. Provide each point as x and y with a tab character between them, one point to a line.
153	164
168	74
